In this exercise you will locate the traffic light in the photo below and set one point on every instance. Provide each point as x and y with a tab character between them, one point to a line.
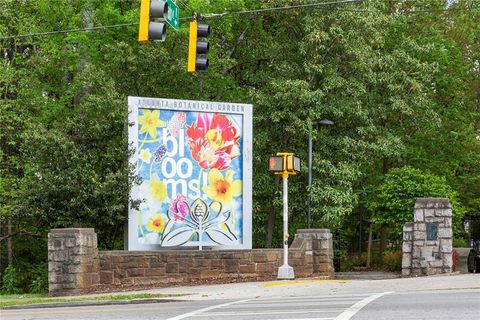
196	48
149	30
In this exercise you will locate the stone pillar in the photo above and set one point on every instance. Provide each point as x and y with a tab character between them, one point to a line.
73	264
407	249
427	242
319	243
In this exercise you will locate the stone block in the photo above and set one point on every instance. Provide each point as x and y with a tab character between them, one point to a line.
447	223
406	260
407	247
418	243
444	232
406	272
429	213
443	212
172	267
322	268
421	227
407	236
419	235
155	272
136	272
246	268
446	247
427	252
216	264
259	257
231	266
265	268
209	274
418	215
448	261
437	263
106	277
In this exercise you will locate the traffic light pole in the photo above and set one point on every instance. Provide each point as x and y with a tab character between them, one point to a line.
285	272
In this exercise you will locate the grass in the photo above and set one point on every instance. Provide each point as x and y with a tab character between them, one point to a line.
25	299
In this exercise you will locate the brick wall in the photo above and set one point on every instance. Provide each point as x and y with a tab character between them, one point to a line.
311	254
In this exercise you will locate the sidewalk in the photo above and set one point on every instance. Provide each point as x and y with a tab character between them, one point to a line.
351	283
313	287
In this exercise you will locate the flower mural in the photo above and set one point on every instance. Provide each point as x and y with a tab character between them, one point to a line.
213	141
150	121
183	203
222	189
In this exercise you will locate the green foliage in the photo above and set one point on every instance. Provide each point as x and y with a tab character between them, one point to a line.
392	260
11	281
401	86
39	276
396	197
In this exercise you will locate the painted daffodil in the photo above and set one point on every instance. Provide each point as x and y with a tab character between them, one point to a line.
150	121
156	223
222	189
145	155
158	190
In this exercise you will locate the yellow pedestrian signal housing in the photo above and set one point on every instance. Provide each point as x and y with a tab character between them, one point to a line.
149	29
196	48
284	163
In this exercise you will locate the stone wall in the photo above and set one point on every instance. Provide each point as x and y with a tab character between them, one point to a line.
427	241
311	254
73	263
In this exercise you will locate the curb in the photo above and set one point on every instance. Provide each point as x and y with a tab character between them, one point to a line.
90	303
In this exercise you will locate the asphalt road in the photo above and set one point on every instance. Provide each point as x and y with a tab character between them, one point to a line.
439	304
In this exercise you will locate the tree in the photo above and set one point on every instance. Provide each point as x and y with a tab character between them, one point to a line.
397	194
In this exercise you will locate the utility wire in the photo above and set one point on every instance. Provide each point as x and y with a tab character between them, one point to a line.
306	5
185	18
219	15
69	31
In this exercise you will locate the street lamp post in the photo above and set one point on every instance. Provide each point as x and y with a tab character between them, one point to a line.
323	122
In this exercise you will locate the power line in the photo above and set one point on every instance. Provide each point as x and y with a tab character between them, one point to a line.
219	15
185	18
70	30
299	6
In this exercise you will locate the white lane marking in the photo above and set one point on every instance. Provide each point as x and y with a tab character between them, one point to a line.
214	314
307	319
314	297
195	312
350	312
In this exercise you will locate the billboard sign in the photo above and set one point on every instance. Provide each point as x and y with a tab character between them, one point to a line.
194	160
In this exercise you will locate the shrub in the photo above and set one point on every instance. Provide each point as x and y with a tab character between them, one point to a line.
39	276
11	282
455	260
392	261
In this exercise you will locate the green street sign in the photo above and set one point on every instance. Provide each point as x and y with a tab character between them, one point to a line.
173	14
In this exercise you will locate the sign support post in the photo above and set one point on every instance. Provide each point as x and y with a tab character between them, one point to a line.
285	163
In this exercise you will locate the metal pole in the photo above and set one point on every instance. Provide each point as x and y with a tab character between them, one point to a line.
285	272
309	216
285	220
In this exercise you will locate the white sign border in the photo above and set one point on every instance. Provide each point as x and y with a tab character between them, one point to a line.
246	110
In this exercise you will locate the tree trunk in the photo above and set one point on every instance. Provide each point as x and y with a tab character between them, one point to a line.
369	248
9	242
383	238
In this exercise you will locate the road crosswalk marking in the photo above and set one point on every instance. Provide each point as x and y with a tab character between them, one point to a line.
341	307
